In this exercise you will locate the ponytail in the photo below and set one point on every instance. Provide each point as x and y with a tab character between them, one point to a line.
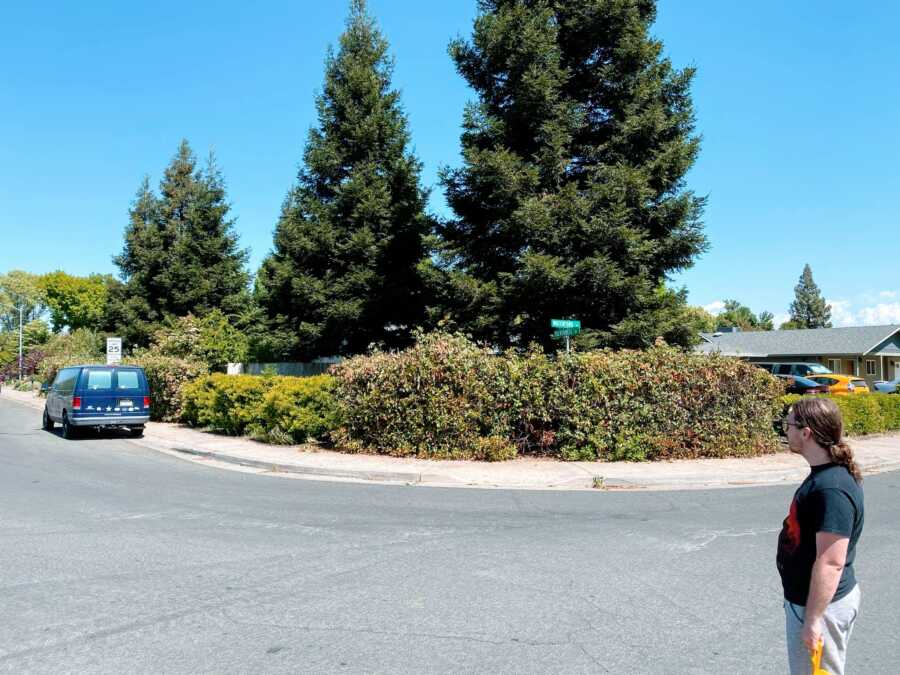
843	454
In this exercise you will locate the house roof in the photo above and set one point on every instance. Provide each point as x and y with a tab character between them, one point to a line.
851	340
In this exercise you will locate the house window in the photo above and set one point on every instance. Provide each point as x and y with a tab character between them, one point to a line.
870	367
835	365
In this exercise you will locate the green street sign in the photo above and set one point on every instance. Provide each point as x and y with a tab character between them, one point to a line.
565	328
566	323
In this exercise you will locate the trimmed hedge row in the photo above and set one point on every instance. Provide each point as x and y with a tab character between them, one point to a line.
863	414
270	408
447	398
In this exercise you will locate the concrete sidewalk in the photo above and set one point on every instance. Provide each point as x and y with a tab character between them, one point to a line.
874	454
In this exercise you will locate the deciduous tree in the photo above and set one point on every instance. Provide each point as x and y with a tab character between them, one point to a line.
75	302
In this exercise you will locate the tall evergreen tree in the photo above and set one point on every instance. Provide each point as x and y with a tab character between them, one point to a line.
570	201
206	267
180	253
809	310
343	272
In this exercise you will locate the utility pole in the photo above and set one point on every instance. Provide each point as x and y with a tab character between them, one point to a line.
21	308
21	369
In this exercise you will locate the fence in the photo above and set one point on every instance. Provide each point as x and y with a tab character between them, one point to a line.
310	368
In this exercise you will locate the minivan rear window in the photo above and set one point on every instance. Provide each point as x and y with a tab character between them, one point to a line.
127	379
99	380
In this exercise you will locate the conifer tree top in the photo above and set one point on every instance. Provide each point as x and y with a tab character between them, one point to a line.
809	310
350	234
571	199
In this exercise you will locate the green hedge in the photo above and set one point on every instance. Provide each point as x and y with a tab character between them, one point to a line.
863	414
442	398
270	408
166	376
661	403
447	398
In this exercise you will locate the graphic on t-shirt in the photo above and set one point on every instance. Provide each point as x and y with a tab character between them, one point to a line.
791	531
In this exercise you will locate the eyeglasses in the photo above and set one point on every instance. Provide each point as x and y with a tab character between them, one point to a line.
785	424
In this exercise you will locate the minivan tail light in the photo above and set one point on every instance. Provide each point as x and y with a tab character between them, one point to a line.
76	403
146	401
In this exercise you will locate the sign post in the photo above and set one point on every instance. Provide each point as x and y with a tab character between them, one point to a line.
113	350
565	328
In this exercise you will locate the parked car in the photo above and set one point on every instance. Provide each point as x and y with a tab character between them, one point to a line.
892	387
98	396
802	385
798	368
842	385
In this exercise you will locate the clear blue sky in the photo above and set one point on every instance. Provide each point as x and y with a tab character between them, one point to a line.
797	103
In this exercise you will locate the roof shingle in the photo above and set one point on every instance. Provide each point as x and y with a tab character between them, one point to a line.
850	340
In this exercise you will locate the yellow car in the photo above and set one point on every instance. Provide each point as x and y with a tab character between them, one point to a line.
841	385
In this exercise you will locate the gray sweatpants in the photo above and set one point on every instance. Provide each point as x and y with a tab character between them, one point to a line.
837	626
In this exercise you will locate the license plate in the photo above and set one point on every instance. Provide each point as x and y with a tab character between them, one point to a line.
125	403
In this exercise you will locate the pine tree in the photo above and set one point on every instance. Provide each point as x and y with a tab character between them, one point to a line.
343	272
570	201
180	254
808	310
206	267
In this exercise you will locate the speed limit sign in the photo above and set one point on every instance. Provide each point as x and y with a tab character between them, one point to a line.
113	350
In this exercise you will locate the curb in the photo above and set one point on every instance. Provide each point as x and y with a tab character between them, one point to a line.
610	483
437	480
687	482
375	476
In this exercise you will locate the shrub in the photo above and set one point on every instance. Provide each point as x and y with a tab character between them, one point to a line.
70	349
226	403
274	409
210	339
661	403
440	399
890	410
443	397
863	413
30	363
295	409
167	377
24	385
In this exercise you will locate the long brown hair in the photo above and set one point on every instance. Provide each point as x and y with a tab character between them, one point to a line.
823	418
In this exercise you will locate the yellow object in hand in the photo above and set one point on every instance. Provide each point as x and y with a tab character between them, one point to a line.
815	657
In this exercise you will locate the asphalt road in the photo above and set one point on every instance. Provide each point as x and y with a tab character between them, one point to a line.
116	559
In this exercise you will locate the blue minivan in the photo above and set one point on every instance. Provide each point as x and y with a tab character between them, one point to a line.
98	396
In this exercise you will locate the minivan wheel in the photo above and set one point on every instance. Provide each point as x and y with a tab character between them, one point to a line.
136	432
68	429
48	423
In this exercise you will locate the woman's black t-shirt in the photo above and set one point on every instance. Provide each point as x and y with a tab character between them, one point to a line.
829	500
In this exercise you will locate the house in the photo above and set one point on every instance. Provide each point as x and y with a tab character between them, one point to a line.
872	352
